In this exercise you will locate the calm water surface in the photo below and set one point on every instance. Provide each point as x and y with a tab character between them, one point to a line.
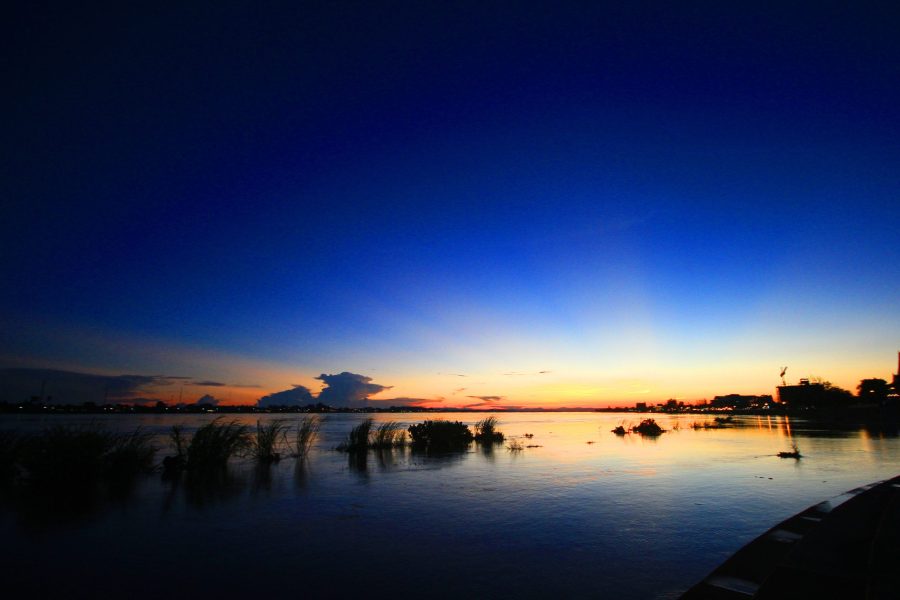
617	517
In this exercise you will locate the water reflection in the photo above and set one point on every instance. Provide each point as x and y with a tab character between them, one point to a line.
358	463
203	490
564	507
42	508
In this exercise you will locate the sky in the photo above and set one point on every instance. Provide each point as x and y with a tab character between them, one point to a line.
475	204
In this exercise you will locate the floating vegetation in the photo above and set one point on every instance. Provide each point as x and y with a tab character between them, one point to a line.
534	446
307	431
794	453
619	430
264	446
729	420
440	435
210	447
486	431
591	442
529	435
515	446
358	438
648	427
389	434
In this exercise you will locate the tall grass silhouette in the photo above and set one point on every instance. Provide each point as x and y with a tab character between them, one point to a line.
265	444
486	431
307	432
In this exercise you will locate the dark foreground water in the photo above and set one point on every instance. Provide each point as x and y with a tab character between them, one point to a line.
619	517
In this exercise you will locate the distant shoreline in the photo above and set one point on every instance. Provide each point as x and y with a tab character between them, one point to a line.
854	414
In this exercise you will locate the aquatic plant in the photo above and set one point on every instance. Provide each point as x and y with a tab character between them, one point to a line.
486	431
358	438
264	446
307	431
723	421
515	446
210	447
440	435
794	453
648	427
70	455
706	425
619	430
130	453
389	434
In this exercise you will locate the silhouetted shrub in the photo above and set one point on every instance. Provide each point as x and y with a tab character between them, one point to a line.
794	453
619	430
648	427
486	431
440	435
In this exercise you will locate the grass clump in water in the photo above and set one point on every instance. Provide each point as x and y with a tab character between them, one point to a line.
75	455
388	435
648	427
486	431
794	453
515	446
440	435
619	430
130	453
265	444
358	438
210	447
307	432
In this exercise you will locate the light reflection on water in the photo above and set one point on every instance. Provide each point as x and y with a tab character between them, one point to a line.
621	516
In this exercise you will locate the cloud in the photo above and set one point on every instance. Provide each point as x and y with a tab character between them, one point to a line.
487	398
348	389
405	401
458	390
296	396
516	373
73	387
208	400
245	385
208	383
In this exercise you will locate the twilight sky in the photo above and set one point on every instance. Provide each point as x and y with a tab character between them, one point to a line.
521	204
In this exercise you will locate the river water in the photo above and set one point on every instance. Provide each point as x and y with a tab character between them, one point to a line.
586	514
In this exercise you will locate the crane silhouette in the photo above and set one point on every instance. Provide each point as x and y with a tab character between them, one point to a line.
783	371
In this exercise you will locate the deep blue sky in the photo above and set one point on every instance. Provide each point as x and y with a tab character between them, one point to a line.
648	198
